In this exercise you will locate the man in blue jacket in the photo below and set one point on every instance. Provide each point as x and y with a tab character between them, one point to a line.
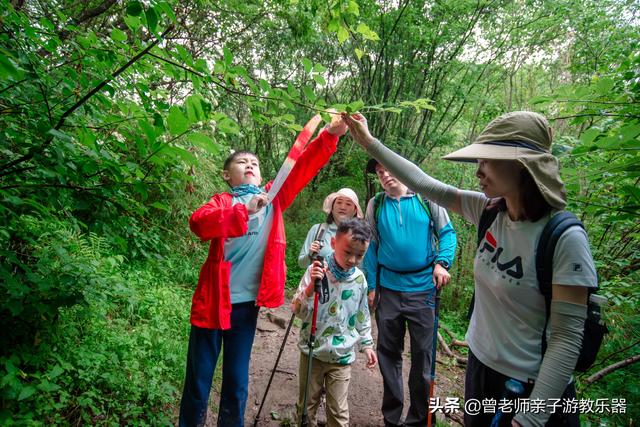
408	258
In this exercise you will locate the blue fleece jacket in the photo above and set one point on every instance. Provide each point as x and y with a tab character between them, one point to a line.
407	239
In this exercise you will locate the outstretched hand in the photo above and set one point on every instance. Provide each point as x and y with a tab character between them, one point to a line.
337	126
358	127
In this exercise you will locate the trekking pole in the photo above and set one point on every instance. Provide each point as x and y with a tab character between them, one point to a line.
273	372
432	385
319	236
512	390
304	418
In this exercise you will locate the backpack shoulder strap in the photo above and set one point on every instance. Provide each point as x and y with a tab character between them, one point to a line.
557	225
426	204
488	215
378	199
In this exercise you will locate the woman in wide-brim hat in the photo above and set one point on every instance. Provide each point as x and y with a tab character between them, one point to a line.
518	177
338	206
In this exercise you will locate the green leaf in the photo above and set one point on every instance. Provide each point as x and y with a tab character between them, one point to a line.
264	85
205	142
359	53
340	107
13	200
60	135
306	63
167	10
288	118
133	22
55	372
582	149
589	136
343	34
333	26
355	106
184	54
160	206
118	35
134	8
319	68
8	68
605	86
539	100
47	24
319	79
195	112
152	19
219	67
292	91
225	125
353	8
48	387
308	93
629	131
26	392
185	155
631	190
294	127
177	122
367	32
228	56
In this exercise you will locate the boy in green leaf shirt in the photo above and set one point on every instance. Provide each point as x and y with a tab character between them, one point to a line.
343	322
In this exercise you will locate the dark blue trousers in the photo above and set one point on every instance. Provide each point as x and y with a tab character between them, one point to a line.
204	348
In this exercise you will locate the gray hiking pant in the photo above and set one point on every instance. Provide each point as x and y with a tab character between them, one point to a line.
397	311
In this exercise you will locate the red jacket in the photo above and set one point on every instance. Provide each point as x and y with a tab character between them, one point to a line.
218	220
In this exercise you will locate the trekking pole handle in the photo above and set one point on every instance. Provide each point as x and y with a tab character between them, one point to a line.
318	238
512	390
317	282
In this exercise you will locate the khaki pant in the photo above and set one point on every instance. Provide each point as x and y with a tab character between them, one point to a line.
334	378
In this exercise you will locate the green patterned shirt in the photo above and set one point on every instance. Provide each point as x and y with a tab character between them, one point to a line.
342	322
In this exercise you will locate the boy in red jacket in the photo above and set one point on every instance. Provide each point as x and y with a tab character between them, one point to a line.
245	270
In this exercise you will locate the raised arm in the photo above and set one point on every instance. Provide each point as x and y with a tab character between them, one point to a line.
312	159
407	172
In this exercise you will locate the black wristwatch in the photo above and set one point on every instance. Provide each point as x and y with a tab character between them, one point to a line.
444	264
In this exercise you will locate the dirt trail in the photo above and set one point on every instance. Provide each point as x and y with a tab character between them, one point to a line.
365	388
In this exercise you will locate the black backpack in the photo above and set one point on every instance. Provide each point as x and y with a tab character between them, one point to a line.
594	328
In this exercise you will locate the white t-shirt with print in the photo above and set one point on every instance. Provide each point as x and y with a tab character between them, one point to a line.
505	332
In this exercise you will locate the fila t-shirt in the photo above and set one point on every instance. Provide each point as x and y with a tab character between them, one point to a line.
505	331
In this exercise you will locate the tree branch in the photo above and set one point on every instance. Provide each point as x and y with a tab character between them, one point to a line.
80	102
611	368
448	352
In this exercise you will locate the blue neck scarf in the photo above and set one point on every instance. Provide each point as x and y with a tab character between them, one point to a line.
340	274
244	189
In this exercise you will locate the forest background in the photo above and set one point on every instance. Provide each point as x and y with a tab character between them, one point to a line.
115	117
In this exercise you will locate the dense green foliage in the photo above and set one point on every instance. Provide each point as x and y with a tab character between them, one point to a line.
115	117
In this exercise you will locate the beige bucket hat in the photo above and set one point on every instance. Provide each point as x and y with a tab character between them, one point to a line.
327	206
524	136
